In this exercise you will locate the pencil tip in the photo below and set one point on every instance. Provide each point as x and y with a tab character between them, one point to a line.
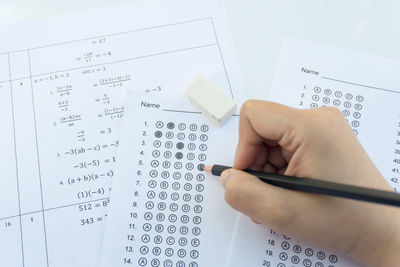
208	168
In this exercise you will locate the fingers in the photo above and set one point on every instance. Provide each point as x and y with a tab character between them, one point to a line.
262	122
286	154
261	158
276	158
264	203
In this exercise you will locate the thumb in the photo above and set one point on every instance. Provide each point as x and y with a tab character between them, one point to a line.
264	203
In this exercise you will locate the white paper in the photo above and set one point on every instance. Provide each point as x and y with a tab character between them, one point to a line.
158	177
62	88
366	89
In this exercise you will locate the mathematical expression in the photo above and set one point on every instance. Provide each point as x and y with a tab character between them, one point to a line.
68	114
78	114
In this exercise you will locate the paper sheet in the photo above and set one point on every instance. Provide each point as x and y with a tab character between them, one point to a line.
366	89
166	211
62	88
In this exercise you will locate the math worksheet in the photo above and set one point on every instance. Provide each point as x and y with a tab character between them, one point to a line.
366	89
63	82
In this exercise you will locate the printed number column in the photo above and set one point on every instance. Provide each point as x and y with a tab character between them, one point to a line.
30	191
11	249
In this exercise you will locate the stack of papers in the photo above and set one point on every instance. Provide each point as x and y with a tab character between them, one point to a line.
102	154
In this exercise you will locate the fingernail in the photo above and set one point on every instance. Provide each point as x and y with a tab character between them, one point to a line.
225	177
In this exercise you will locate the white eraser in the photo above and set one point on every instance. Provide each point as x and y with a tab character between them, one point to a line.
210	100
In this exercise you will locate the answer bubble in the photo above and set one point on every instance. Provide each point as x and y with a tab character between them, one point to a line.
348	96
317	89
309	252
171	125
159	124
182	126
333	258
204	128
180	145
158	134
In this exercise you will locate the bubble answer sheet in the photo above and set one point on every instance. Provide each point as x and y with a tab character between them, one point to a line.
165	211
62	92
366	89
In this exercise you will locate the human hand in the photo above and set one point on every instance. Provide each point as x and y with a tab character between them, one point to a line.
316	144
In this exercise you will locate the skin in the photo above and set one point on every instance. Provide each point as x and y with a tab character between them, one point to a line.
317	144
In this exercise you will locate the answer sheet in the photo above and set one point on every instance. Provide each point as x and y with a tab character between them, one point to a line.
367	91
166	211
62	88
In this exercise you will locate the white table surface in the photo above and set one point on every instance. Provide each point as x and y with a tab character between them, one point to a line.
259	26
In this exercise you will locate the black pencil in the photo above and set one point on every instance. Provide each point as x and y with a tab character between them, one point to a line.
320	187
